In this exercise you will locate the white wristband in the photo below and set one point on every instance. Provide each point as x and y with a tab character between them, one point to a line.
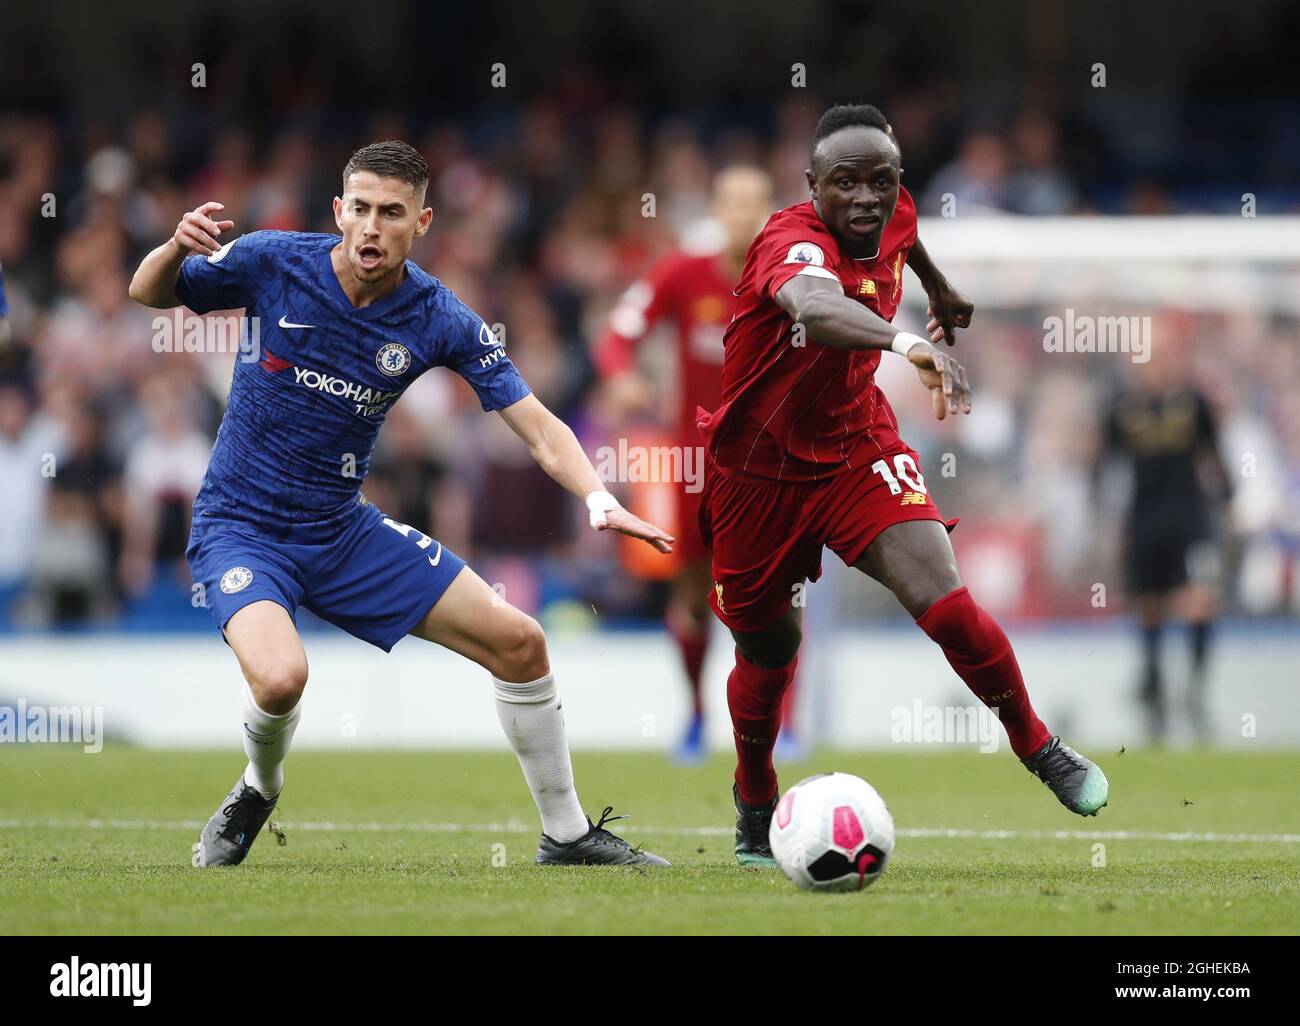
598	504
904	341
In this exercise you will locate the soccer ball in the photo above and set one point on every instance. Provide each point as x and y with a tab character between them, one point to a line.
832	832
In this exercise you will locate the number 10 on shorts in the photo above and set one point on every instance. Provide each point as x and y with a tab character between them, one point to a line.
904	467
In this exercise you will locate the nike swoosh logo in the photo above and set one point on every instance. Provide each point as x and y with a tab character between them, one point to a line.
433	560
285	324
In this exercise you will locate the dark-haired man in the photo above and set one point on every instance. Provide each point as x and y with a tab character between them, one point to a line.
346	324
805	454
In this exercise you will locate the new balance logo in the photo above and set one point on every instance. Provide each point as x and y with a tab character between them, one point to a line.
912	499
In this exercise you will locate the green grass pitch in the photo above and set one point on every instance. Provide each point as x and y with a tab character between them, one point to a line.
442	842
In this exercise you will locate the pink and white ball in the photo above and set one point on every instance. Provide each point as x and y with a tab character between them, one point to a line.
832	832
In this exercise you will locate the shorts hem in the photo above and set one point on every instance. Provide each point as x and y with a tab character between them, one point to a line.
878	531
389	639
277	599
732	624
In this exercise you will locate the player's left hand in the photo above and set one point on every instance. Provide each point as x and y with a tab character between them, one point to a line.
943	376
948	310
623	522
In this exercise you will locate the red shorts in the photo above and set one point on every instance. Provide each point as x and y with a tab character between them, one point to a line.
767	536
689	545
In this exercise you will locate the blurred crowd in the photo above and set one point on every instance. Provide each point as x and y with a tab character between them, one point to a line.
540	227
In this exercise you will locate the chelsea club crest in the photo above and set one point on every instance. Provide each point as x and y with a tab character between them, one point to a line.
393	359
236	579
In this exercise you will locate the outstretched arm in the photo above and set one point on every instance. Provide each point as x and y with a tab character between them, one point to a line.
556	450
154	283
831	318
949	309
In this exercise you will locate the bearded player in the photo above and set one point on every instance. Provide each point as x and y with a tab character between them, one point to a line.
346	324
805	454
690	288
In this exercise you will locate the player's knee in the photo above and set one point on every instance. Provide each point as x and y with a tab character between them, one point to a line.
773	648
960	627
923	592
698	610
522	654
278	687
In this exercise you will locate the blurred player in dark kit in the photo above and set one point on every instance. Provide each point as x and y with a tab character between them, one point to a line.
1165	429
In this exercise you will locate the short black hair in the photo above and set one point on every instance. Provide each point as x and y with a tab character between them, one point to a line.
390	159
847	115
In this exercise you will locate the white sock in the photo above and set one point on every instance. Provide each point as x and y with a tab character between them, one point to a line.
266	742
530	715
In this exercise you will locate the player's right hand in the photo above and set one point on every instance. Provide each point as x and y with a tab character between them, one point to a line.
943	376
198	233
623	522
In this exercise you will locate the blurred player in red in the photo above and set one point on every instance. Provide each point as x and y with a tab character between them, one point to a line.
805	454
691	288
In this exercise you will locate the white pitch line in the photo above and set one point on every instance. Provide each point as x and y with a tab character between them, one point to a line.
516	827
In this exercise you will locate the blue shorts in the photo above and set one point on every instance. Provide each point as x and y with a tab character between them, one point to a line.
372	576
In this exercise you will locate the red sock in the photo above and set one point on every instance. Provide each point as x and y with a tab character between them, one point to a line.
754	698
693	642
980	653
788	702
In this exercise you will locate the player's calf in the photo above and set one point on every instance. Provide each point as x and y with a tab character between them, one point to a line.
978	650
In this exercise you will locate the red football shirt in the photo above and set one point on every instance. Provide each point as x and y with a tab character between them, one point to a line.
694	292
804	412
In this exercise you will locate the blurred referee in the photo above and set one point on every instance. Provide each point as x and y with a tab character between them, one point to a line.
1166	431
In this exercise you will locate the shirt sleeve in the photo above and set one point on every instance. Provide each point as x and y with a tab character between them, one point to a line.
472	350
794	249
4	303
638	310
905	217
223	281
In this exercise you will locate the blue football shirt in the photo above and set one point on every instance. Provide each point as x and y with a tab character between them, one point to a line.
4	303
301	420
